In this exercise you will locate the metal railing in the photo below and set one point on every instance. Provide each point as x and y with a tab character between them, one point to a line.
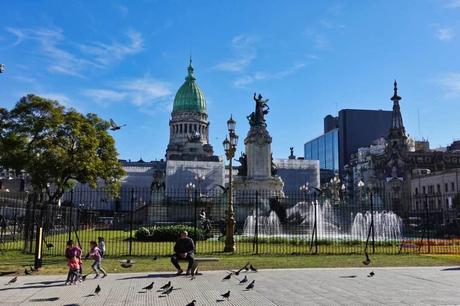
144	222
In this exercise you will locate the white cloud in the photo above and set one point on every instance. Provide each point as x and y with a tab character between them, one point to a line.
49	39
107	54
244	53
444	34
245	80
140	92
65	57
146	90
123	10
451	83
452	4
104	95
319	40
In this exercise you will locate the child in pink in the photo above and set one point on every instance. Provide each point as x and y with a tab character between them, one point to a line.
74	270
95	254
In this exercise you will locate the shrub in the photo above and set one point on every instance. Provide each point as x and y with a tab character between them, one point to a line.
163	233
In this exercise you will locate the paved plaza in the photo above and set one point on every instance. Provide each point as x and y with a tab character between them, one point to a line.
341	286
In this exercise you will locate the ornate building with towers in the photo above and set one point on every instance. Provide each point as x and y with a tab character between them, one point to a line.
189	125
391	170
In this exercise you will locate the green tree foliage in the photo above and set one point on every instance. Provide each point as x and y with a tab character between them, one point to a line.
57	147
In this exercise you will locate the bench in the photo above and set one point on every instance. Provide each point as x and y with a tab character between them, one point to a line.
198	260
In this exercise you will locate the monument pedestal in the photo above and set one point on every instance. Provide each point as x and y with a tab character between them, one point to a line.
259	173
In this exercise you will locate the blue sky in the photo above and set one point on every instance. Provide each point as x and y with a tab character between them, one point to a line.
126	59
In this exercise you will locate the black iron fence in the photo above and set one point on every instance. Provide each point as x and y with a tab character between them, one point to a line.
148	222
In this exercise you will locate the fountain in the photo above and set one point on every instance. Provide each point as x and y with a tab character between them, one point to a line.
299	221
387	225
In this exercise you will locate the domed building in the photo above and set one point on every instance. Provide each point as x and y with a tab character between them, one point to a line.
189	125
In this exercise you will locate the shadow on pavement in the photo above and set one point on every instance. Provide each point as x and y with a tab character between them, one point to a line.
451	269
149	276
31	287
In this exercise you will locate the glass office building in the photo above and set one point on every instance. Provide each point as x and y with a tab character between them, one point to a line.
324	148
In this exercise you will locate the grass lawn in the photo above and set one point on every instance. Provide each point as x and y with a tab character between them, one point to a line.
117	244
17	261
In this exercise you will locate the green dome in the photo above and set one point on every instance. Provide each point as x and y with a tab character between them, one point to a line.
189	97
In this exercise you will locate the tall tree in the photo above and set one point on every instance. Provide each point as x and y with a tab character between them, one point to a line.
57	146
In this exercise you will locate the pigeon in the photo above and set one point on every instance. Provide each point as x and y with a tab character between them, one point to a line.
49	245
97	290
251	285
149	287
32	269
168	291
192	303
371	274
237	272
226	295
13	280
126	265
114	126
27	272
166	286
155	257
252	268
244	280
228	276
83	277
367	261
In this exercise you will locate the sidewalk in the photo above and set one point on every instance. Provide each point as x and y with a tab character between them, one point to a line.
341	286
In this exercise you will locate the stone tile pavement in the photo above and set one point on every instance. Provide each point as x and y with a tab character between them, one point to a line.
340	286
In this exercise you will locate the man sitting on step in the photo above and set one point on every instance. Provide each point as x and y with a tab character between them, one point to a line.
183	249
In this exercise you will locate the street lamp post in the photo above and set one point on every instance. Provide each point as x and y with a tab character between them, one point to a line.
230	148
190	188
199	180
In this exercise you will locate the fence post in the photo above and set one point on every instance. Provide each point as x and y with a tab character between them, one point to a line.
70	215
427	223
316	222
32	224
131	223
195	200
256	230
372	222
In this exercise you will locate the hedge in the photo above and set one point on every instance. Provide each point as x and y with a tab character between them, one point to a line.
168	233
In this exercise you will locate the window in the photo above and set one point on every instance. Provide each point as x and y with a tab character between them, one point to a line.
446	187
416	190
180	128
438	187
424	190
452	186
185	128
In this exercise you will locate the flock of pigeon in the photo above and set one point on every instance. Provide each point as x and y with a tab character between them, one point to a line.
167	288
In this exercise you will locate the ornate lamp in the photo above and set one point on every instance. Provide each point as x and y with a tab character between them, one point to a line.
230	148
